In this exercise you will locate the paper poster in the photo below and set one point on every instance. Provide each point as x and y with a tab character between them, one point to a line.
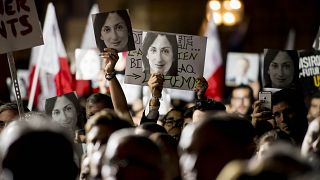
177	56
113	30
242	68
280	68
309	70
23	81
88	64
19	26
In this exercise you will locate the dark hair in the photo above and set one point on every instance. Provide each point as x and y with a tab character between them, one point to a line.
49	105
242	86
148	40
105	99
12	106
153	127
238	129
209	104
269	57
99	21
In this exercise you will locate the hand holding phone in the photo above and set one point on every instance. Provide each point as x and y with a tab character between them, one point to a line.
265	98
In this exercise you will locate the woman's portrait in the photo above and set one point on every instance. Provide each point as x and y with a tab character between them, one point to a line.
65	111
280	68
160	54
113	30
88	64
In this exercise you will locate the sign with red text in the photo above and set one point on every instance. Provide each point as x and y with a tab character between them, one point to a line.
179	57
19	25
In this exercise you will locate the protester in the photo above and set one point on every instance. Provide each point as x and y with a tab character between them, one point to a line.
314	109
8	112
206	146
311	146
241	100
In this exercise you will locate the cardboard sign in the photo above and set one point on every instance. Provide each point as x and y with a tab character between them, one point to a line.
242	68
88	64
113	30
19	25
280	68
309	70
177	56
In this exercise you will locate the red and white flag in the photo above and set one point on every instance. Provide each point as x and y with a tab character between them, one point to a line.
213	66
49	63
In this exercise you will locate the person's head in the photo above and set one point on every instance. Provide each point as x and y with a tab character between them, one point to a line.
8	112
290	113
160	54
112	30
173	122
314	109
99	128
132	156
242	67
270	137
96	102
205	147
205	108
64	109
242	99
280	68
37	149
149	128
311	142
168	145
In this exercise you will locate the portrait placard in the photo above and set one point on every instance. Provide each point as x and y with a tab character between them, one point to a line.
177	56
309	70
19	26
113	30
280	68
241	68
88	64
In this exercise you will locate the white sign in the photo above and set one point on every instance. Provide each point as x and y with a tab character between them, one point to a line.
177	56
88	64
19	25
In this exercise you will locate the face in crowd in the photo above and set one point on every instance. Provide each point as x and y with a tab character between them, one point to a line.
114	32
314	110
64	112
160	55
281	70
241	101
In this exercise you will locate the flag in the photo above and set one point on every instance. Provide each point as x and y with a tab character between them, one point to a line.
83	87
49	62
213	66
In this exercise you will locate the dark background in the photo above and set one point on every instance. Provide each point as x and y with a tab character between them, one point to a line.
266	24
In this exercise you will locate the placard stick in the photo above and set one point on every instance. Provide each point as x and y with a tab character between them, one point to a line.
14	79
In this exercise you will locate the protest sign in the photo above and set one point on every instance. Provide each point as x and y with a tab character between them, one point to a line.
19	25
113	30
316	42
88	64
182	59
280	68
242	68
309	70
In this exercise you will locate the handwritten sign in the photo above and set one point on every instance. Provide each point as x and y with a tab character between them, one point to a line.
309	70
189	56
19	25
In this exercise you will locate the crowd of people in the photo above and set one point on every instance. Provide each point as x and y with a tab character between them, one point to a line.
205	139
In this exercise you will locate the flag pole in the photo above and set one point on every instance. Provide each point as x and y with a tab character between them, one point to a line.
14	79
35	79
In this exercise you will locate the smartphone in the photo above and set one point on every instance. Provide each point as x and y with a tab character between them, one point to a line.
265	97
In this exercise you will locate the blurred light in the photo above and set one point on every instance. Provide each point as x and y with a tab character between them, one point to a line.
226	5
214	5
229	18
217	18
235	4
